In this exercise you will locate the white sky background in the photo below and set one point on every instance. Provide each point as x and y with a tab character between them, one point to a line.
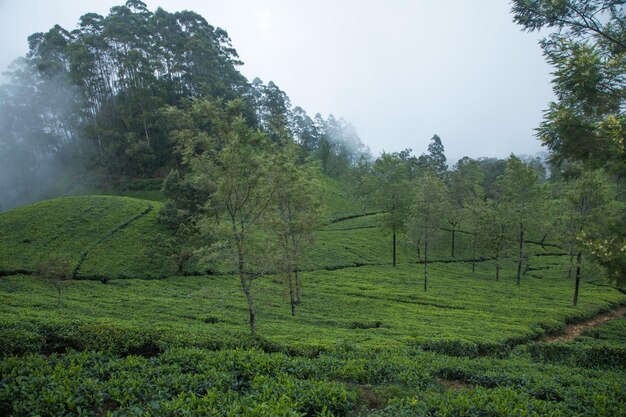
398	70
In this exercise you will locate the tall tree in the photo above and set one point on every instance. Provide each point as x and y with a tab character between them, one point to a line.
465	188
520	193
588	198
389	190
492	232
430	203
435	159
467	196
297	215
234	160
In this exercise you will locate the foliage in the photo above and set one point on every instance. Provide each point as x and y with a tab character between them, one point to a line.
425	216
101	236
587	50
521	197
387	188
55	270
294	220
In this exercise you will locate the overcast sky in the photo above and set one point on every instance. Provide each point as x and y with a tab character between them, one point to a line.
399	70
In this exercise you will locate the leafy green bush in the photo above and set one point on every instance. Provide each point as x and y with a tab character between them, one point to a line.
20	339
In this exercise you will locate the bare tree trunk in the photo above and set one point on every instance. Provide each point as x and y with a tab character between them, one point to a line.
453	236
59	295
474	253
297	276
521	253
497	264
246	282
394	245
292	293
577	285
426	264
419	253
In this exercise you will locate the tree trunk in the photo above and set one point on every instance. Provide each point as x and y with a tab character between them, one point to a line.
521	253
498	264
59	296
419	252
394	246
474	253
453	236
425	264
577	285
292	293
297	274
246	283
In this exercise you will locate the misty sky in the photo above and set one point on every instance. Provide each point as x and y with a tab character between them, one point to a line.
400	71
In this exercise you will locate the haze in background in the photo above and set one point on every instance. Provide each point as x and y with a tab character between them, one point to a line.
398	71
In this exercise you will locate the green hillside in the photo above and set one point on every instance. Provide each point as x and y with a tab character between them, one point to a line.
114	237
101	236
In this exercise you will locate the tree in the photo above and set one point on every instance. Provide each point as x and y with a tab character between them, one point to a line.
492	231
226	155
466	193
435	159
588	197
587	50
298	214
467	196
388	187
429	206
521	195
56	270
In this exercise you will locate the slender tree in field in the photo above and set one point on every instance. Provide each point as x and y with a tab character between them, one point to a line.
55	270
492	232
465	185
233	160
430	203
389	185
297	216
521	195
588	199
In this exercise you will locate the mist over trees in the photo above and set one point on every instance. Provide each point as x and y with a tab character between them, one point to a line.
91	101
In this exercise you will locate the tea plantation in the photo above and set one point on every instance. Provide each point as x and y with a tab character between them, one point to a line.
130	339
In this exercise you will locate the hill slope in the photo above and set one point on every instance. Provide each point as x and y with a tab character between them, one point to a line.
100	236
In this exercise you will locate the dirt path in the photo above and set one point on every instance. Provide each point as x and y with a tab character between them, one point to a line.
575	330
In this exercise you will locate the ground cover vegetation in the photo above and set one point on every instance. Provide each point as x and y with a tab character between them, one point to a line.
268	265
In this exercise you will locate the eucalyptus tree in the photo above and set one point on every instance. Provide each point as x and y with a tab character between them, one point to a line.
389	190
304	129
435	159
521	195
108	79
428	208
